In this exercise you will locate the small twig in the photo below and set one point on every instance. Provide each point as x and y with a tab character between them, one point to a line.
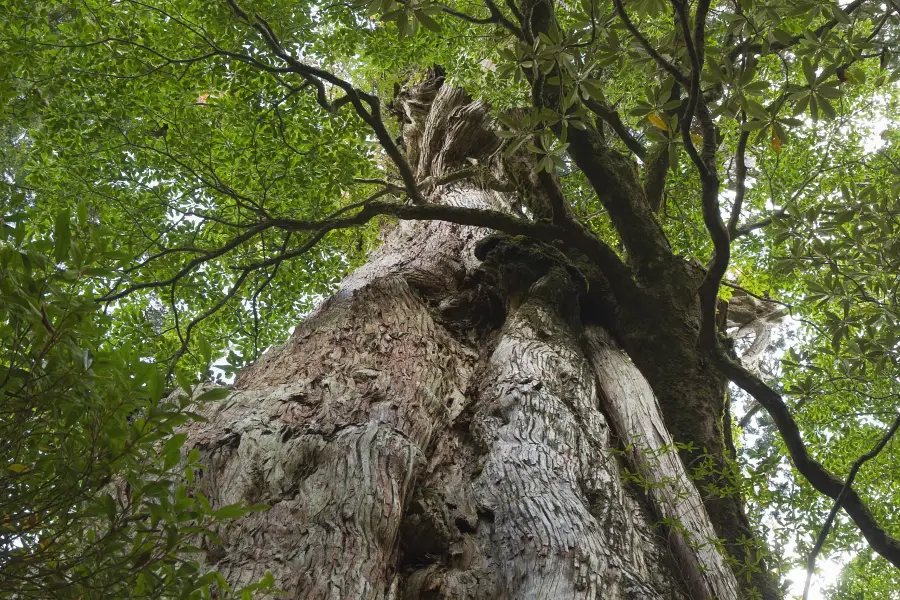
648	47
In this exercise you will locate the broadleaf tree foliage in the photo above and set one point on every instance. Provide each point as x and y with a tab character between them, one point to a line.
185	180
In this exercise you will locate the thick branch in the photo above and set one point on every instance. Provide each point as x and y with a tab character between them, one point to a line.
611	174
826	527
655	175
821	479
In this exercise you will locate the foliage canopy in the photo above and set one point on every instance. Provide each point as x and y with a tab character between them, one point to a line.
183	179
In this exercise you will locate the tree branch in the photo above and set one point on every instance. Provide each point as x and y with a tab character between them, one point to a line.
748	47
826	527
820	478
648	47
367	106
567	232
186	339
612	118
705	161
655	174
611	174
758	224
740	184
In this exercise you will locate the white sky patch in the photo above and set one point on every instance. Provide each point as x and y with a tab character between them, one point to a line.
828	571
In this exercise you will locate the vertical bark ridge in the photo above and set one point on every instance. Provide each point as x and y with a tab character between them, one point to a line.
333	441
550	450
636	415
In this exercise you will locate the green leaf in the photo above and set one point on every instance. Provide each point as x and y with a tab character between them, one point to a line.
782	36
185	383
82	213
839	15
593	89
62	235
427	22
754	125
827	108
672	104
809	71
757	87
205	349
515	146
755	109
172	450
231	511
218	393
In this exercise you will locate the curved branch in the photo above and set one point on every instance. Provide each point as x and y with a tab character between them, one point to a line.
705	161
695	52
367	106
497	17
820	478
194	263
826	527
186	339
568	233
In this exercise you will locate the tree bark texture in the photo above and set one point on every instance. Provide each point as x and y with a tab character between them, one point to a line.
448	424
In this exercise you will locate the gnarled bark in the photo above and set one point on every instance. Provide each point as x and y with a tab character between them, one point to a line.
447	426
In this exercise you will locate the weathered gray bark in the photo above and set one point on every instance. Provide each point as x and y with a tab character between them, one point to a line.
447	426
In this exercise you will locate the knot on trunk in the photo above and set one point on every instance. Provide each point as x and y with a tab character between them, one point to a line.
526	268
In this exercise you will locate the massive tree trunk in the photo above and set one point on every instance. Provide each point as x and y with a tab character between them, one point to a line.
455	422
